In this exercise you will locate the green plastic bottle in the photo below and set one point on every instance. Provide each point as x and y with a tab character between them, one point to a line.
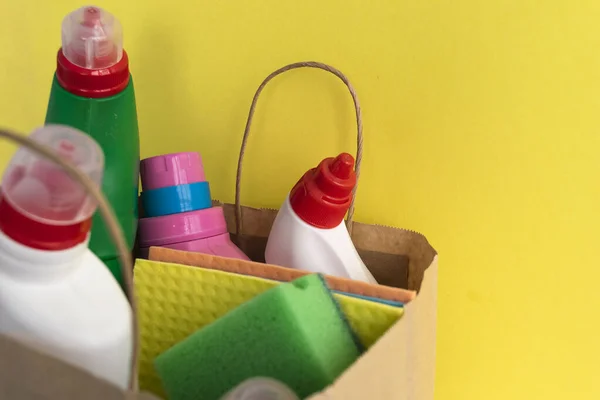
92	91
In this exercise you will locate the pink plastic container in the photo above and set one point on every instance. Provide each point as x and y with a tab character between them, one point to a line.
171	170
202	231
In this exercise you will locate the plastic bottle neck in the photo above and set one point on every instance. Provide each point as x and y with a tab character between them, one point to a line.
36	235
27	264
92	83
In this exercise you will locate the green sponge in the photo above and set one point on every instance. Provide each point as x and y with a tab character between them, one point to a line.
294	333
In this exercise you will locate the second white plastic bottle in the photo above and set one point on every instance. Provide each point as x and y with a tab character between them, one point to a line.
309	232
55	295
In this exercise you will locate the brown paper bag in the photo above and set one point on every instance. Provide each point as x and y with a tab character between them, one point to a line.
383	249
400	365
26	374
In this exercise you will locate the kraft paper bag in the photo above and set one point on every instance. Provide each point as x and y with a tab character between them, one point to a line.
399	366
384	250
26	374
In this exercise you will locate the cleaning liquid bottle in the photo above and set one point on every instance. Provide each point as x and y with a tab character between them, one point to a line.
55	294
309	231
93	91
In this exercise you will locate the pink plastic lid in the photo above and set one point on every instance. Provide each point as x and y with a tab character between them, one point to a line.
182	227
171	170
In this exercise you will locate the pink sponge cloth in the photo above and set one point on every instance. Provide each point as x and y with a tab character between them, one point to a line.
277	273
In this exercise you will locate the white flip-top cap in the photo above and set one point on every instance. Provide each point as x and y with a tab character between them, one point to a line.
92	38
43	191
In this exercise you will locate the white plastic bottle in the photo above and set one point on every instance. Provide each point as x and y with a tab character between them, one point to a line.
55	294
309	231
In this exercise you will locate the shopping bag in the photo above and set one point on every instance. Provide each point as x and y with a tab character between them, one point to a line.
27	374
401	365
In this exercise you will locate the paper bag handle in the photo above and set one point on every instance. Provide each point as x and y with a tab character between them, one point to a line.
359	136
112	225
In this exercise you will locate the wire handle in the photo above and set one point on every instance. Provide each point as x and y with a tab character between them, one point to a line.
359	136
112	225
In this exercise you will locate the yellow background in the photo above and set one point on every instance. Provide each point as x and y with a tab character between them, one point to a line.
482	130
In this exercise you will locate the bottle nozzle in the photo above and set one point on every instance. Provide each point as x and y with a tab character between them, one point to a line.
322	196
342	166
92	38
91	17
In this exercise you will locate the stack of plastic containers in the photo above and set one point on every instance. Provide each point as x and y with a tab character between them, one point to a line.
177	206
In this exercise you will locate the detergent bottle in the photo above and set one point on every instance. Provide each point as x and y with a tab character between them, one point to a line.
55	294
309	231
92	91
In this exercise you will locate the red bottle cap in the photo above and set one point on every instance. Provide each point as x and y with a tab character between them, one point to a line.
92	62
41	206
322	196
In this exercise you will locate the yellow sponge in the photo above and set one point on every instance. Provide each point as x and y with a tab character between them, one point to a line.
175	300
